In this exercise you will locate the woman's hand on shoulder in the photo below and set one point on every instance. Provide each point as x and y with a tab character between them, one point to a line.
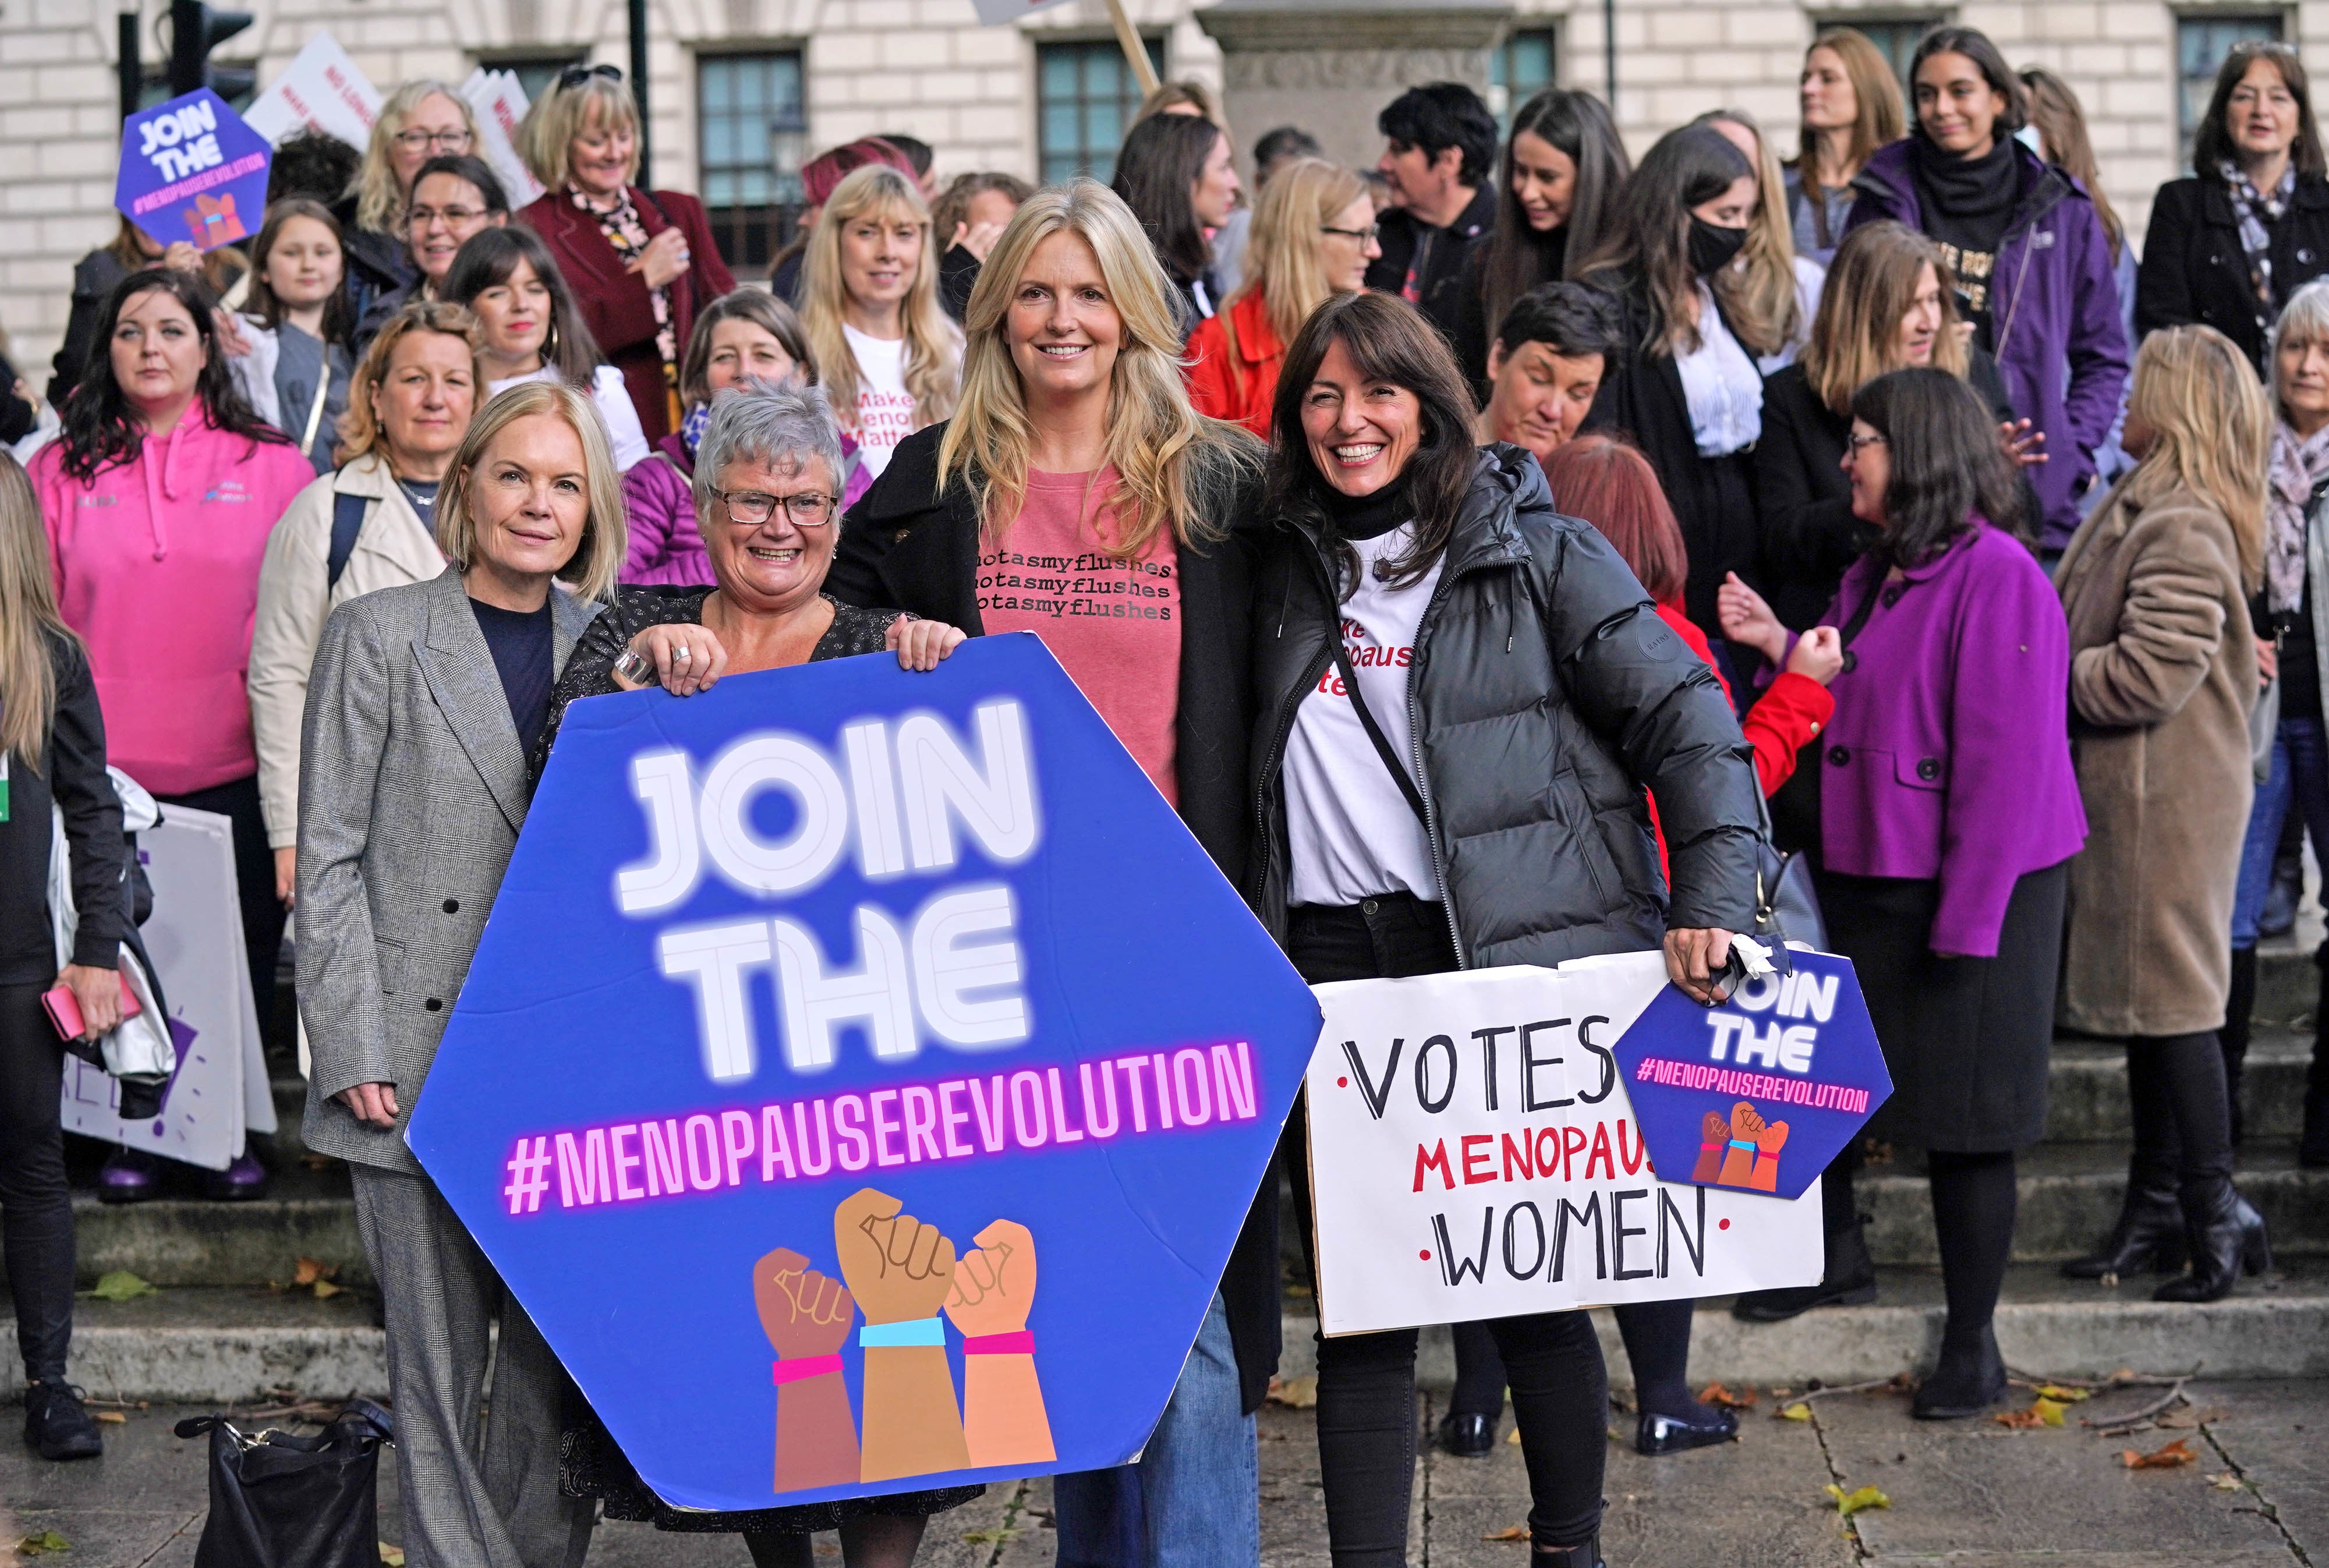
686	658
1746	618
920	645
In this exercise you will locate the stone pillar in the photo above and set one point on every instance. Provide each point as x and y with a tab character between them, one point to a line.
1329	66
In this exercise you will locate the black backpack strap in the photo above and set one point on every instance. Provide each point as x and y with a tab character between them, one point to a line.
347	521
1399	772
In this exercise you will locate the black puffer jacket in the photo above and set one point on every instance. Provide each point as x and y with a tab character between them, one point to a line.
1545	694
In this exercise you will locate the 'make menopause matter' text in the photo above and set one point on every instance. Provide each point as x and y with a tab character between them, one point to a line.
956	1119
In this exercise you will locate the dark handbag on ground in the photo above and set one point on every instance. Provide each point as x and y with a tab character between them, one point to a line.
282	1501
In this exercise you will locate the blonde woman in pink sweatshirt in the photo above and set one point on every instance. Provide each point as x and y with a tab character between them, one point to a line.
158	496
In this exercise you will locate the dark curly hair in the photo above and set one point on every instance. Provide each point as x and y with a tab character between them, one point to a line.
101	430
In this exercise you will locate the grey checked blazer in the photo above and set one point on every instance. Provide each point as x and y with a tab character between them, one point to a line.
411	793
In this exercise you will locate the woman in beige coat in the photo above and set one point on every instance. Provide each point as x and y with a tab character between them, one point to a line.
408	406
2163	674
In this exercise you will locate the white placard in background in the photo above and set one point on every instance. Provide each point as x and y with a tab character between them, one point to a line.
322	87
195	936
499	106
1473	1155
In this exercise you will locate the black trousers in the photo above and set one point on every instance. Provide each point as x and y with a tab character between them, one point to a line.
1366	1382
35	1209
254	881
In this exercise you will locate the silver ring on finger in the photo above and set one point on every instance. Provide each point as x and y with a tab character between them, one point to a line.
683	653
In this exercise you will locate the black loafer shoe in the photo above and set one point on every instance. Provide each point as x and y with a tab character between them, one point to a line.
56	1425
1666	1434
1467	1437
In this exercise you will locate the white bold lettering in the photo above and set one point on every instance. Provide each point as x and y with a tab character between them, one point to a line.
715	957
736	781
950	963
666	787
874	788
994	799
813	1000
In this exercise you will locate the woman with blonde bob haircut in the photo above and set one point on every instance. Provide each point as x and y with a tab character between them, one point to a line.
2163	673
1888	304
1313	234
1075	438
423	704
1851	104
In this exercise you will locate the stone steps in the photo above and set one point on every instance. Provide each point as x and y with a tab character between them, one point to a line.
2086	1088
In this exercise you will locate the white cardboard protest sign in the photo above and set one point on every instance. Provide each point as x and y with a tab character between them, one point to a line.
1473	1155
322	87
220	1091
499	106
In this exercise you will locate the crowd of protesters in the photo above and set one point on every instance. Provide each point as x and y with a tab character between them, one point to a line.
1849	470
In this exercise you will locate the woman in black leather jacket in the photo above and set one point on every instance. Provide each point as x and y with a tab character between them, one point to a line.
1483	631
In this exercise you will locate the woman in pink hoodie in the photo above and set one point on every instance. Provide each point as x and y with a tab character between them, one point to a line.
158	495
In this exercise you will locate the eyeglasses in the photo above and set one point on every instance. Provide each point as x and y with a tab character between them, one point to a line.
1860	441
450	141
419	220
576	75
1362	235
751	509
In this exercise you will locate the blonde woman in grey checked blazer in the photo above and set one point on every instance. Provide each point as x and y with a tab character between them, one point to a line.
422	705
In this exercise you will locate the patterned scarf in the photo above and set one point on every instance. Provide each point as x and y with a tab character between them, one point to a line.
692	428
2256	212
627	233
2298	467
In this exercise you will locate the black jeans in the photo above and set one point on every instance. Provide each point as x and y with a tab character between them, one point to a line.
34	1205
254	882
1366	1382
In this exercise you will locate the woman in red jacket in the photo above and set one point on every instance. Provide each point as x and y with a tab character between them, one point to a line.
641	263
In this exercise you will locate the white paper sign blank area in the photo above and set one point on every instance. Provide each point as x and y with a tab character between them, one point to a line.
1473	1155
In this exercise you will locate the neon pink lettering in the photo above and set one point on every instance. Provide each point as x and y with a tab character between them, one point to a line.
625	1164
702	1174
885	1128
824	1161
951	1117
663	1159
583	1176
1134	1066
849	1132
1189	1071
1026	1091
921	1122
1060	1133
991	1128
1233	1083
1091	1116
776	1149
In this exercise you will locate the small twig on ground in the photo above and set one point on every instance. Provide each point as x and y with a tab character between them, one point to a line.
2121	1379
1870	1386
2120	1426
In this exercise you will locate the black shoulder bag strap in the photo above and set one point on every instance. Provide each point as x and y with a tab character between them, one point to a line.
1399	772
347	521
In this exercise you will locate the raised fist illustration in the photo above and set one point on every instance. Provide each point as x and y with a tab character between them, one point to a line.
898	1268
1713	1134
994	1283
1739	1164
802	1312
1769	1142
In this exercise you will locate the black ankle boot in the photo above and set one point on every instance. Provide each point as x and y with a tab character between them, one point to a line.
2147	1239
2239	1008
1586	1554
2224	1237
56	1425
1968	1380
1849	1280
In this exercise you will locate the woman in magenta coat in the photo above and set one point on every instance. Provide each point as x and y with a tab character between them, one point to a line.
641	263
1949	814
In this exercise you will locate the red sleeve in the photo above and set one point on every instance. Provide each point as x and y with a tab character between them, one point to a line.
1791	711
712	278
1210	391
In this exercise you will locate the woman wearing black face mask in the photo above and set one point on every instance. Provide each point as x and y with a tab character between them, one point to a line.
1687	390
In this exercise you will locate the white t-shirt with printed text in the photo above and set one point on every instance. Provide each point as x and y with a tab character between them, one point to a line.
885	409
1353	834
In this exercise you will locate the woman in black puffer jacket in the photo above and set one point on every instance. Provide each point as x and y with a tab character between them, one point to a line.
1519	672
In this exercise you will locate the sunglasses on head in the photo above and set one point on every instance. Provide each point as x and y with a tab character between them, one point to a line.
576	75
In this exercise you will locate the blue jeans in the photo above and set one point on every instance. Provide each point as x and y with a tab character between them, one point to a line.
1194	1500
2300	773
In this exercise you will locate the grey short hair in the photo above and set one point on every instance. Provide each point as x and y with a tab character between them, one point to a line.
2303	319
759	423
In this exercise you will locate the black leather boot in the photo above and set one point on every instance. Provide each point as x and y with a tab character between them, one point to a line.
1968	1381
2239	1007
2224	1236
2149	1235
1849	1280
1586	1554
1466	1436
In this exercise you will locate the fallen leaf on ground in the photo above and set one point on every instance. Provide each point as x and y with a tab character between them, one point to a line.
113	1417
2225	1481
1293	1392
1716	1394
2178	1452
1516	1533
46	1541
391	1556
2042	1412
1798	1410
1847	1504
120	1284
1514	1437
2189	1419
2063	1395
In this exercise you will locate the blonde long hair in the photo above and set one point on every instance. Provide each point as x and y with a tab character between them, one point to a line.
28	619
379	198
605	533
1870	285
1162	450
1283	262
1758	295
2213	427
933	342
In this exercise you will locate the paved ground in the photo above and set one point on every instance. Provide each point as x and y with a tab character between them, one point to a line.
1967	1495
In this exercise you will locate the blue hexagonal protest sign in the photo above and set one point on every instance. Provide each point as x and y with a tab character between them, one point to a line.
192	170
873	1056
1761	1093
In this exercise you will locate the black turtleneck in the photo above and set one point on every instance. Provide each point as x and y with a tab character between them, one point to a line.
1369	517
1967	203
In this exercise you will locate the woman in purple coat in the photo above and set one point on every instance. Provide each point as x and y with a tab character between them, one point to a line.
2031	260
1948	813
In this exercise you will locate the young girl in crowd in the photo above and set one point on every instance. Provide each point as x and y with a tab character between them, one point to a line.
886	352
1851	107
298	324
529	329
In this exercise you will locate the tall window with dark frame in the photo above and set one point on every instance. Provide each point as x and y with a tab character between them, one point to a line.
2201	44
751	139
536	73
1085	98
1895	38
1519	68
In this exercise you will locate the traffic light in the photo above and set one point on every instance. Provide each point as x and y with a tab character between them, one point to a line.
195	29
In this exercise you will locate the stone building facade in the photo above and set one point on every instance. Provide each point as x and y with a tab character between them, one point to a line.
730	78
